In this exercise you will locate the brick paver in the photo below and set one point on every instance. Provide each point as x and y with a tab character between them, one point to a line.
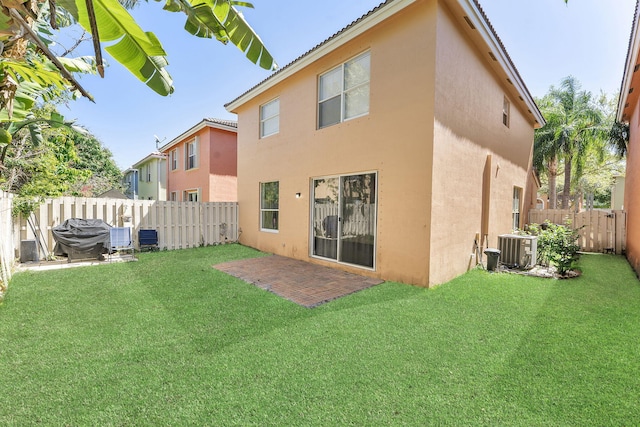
302	282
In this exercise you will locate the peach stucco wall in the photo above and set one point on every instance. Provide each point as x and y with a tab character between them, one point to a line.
469	128
631	193
216	174
435	113
394	139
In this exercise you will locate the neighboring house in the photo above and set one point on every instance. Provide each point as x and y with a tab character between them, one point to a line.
130	183
112	194
202	163
629	112
147	179
388	147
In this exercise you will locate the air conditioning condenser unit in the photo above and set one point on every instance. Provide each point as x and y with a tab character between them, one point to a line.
518	251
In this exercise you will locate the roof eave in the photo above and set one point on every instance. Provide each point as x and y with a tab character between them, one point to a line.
478	18
194	129
629	67
384	11
147	158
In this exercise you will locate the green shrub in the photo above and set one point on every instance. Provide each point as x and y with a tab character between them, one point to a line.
557	245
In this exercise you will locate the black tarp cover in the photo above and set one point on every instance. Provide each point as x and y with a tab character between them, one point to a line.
81	238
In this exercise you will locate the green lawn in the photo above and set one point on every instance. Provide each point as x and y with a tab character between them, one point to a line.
168	340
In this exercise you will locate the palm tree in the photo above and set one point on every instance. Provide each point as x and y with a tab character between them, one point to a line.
575	124
545	147
619	138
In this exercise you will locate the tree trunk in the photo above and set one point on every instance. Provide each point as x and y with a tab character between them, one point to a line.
566	191
552	173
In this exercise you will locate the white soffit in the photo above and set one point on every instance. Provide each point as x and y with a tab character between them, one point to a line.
629	68
497	54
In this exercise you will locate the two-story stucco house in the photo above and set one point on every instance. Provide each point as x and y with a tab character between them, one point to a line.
629	112
147	178
386	149
202	163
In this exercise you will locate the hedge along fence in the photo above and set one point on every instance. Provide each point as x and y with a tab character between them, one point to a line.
7	247
179	224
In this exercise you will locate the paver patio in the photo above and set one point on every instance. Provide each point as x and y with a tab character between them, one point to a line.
304	283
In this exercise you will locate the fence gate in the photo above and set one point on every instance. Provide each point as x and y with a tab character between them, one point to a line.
599	231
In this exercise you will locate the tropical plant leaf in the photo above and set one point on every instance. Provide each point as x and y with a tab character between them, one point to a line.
247	40
80	64
6	27
172	6
35	78
35	132
202	22
70	7
241	3
149	69
220	19
140	52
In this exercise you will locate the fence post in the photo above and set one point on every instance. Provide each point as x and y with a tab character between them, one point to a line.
7	245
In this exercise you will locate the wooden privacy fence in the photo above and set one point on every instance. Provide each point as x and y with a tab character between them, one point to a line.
599	231
179	224
7	248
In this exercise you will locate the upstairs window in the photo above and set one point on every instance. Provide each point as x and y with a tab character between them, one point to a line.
343	93
506	106
191	154
270	118
174	159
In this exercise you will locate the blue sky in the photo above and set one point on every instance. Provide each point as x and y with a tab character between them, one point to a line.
546	39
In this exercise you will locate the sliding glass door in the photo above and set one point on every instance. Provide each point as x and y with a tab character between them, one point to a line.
344	218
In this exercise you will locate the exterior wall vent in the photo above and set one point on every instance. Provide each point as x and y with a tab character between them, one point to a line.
469	23
518	251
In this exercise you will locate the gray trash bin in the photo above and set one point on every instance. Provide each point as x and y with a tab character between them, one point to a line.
493	255
29	251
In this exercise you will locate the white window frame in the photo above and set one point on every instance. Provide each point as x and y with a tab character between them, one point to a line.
506	112
191	157
274	227
515	208
174	159
343	92
273	118
190	195
173	196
